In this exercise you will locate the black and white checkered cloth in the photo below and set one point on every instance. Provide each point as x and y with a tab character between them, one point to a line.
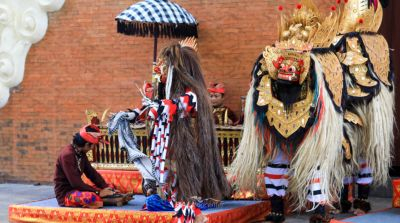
157	11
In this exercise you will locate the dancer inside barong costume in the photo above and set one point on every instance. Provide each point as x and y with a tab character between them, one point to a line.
315	107
69	187
369	107
183	146
293	117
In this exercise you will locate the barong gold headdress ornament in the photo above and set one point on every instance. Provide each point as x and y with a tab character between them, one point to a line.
360	16
289	59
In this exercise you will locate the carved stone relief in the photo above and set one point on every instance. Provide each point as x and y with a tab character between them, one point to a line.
22	23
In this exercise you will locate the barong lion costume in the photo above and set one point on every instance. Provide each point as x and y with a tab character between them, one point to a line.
304	90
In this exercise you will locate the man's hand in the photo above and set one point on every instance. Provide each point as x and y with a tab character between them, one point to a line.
106	192
111	114
146	102
133	114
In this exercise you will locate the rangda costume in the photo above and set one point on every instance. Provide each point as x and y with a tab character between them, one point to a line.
183	141
301	95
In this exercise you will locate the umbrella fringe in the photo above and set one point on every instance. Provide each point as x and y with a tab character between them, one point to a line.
160	29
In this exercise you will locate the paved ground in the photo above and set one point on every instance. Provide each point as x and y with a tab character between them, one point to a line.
22	193
376	202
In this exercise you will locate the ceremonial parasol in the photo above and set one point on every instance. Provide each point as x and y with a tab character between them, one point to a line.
157	18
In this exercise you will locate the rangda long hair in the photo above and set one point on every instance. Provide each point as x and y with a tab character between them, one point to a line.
193	142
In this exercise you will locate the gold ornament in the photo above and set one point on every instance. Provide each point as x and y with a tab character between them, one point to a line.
358	17
356	92
287	122
356	62
353	118
346	147
264	91
90	114
333	73
306	25
378	52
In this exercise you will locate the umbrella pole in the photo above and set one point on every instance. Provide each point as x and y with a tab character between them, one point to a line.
154	79
155	48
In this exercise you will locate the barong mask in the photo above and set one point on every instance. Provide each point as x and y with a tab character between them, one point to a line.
290	66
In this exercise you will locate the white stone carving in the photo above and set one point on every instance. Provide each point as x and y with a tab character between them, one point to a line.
22	23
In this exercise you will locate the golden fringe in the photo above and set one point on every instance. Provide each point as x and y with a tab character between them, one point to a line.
321	148
249	156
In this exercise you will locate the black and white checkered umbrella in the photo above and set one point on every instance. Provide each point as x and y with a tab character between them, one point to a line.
159	18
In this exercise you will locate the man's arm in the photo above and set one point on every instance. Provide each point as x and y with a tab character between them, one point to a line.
186	103
71	171
92	174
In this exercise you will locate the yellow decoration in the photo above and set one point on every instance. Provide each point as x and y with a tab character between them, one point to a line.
347	151
356	92
358	17
353	118
89	115
286	122
333	74
378	52
357	63
264	91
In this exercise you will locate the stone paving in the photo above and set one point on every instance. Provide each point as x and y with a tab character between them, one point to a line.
22	193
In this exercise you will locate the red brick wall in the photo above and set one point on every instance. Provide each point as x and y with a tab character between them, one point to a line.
82	63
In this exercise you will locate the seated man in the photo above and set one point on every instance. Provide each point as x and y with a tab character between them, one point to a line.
69	188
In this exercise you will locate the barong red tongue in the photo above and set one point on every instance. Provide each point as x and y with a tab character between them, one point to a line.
92	137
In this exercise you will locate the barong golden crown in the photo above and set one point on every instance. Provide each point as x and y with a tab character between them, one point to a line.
298	34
